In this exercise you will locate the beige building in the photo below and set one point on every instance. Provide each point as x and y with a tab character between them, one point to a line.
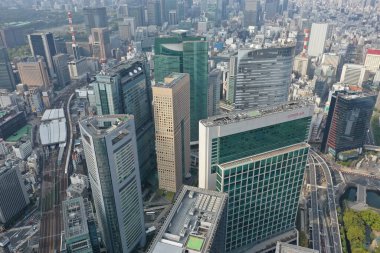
101	43
372	60
171	101
302	65
34	73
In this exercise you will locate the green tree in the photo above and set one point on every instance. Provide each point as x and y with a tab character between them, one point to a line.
304	242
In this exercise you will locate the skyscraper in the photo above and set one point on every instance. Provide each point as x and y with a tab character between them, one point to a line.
154	12
354	74
262	77
318	36
136	11
214	84
101	43
7	80
372	60
186	54
347	122
95	18
125	88
195	209
61	69
171	102
271	8
252	13
258	157
13	195
42	44
109	144
34	73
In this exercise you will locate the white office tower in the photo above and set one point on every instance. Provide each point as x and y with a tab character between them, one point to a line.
372	60
110	149
318	37
354	74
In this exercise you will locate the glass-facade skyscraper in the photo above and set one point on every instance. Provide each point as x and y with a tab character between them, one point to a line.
126	88
258	157
110	148
260	77
7	80
43	44
185	54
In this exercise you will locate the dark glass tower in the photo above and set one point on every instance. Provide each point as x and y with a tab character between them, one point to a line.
7	80
347	121
43	44
186	54
95	18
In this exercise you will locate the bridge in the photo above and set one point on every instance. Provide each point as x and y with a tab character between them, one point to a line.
372	148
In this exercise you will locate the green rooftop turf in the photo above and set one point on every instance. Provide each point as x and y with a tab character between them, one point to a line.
195	243
19	134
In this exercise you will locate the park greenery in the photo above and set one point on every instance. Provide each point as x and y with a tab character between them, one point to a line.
375	127
356	224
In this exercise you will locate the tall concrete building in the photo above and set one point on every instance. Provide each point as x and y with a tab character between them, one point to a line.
320	33
354	74
136	11
126	88
34	73
95	18
214	85
258	157
171	103
7	80
101	43
13	195
252	13
372	60
43	44
271	8
61	68
79	226
347	122
185	54
262	77
110	148
195	209
154	12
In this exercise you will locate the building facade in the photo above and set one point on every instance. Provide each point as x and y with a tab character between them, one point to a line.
95	18
7	80
34	73
101	47
252	13
347	122
109	144
372	60
318	36
183	54
43	44
61	69
13	195
171	103
354	74
263	77
258	157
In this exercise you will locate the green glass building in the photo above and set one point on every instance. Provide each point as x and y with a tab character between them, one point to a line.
258	157
185	54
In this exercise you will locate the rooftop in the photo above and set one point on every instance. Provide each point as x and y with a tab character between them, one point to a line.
238	116
74	216
289	248
102	125
53	132
53	114
171	80
263	156
192	222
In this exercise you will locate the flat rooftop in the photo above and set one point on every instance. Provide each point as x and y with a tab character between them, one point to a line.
170	81
102	125
53	114
74	218
191	223
239	116
262	156
53	132
290	248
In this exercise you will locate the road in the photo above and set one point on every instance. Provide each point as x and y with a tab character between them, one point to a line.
54	186
334	225
316	239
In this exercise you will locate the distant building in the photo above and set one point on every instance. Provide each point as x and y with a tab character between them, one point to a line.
173	20
196	223
79	226
13	195
78	69
214	85
101	43
302	65
372	60
262	77
271	8
252	13
42	44
254	151
110	148
34	73
318	37
11	122
184	54
154	12
347	122
354	74
23	149
171	105
7	80
136	11
289	248
61	69
126	31
13	36
95	18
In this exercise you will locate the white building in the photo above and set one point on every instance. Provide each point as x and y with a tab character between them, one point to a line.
318	37
354	74
372	60
78	69
23	150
